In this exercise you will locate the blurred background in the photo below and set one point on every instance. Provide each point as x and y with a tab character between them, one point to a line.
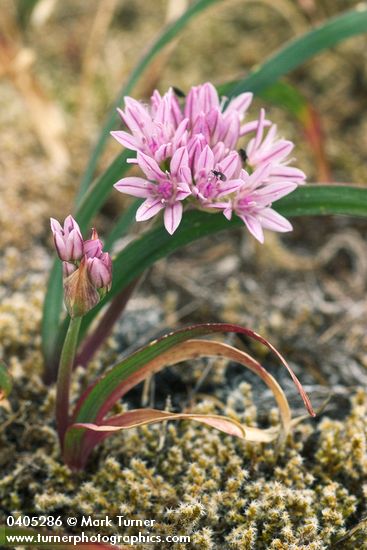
62	64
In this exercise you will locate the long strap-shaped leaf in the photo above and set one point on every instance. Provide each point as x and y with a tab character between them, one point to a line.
168	34
88	204
288	58
185	351
130	263
303	48
98	399
157	243
6	383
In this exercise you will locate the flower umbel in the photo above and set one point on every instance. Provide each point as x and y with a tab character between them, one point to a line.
87	270
192	152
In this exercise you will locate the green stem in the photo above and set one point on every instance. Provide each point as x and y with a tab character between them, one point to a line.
64	377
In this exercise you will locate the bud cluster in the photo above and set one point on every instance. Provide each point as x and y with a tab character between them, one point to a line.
87	270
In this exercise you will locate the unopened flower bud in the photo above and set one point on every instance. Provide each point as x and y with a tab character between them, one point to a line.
100	271
87	270
68	239
93	246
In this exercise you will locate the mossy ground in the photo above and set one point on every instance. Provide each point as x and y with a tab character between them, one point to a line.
194	481
308	296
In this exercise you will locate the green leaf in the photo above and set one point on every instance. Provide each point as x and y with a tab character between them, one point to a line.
288	58
123	224
322	200
24	11
301	49
155	244
50	328
286	96
168	34
6	383
99	192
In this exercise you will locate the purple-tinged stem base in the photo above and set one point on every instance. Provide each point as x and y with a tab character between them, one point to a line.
64	377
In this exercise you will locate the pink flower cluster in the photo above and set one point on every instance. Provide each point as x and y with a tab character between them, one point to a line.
195	153
87	270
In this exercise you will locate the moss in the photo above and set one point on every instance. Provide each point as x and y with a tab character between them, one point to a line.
222	492
194	481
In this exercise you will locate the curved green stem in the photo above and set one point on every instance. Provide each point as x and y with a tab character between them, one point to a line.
64	377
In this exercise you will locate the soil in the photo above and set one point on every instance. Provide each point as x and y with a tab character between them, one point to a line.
305	291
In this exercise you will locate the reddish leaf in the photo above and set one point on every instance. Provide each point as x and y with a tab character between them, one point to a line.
76	454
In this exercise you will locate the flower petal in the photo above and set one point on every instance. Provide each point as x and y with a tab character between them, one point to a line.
278	152
252	126
209	97
163	152
275	191
230	164
179	160
281	172
206	160
270	219
229	186
55	226
240	104
255	143
138	116
126	139
254	226
232	132
149	166
148	209
173	216
137	187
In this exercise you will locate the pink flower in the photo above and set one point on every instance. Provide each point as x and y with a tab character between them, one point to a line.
205	113
191	152
214	180
253	201
156	130
272	151
68	239
162	190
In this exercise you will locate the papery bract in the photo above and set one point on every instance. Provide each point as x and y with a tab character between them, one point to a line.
80	294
